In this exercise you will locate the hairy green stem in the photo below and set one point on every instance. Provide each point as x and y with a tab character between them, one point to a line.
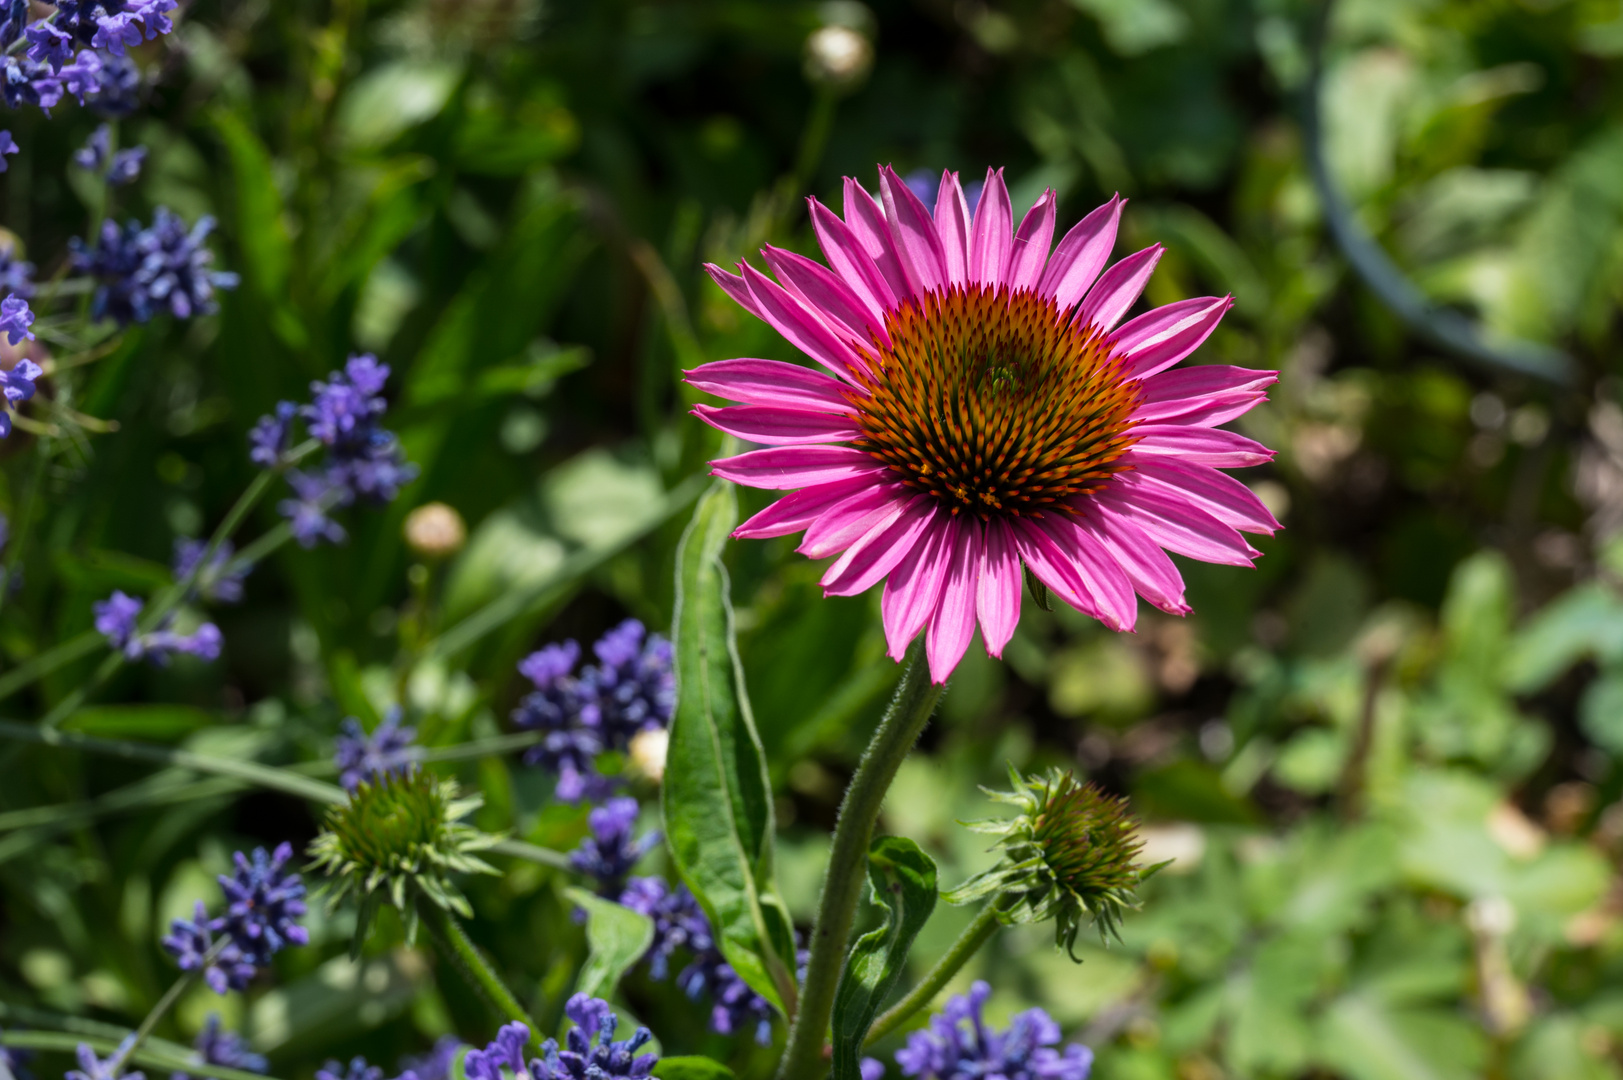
464	956
41	665
909	712
976	934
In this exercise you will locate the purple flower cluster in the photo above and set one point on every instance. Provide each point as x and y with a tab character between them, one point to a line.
364	461
16	387
216	581
142	271
610	851
264	903
680	924
16	275
631	689
116	619
97	156
360	756
959	1046
590	1051
93	1068
357	1069
57	64
437	1064
215	1046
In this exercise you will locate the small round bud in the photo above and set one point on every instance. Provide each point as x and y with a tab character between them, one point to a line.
1071	855
838	57
435	531
398	837
648	749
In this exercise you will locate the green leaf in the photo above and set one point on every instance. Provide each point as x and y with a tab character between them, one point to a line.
691	1068
616	937
904	883
259	228
717	798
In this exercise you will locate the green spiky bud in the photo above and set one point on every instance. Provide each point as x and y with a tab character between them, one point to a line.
400	837
1069	856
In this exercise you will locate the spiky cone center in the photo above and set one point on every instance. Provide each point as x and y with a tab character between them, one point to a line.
1088	839
391	821
996	402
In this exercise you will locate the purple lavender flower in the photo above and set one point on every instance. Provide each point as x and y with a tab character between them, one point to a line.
16	276
386	750
92	156
13	17
268	441
264	902
15	319
437	1064
13	1059
871	1068
215	581
190	941
142	271
314	496
609	853
959	1046
357	1069
93	1068
48	45
8	145
344	408
679	922
118	87
115	32
81	77
631	689
16	387
590	1051
115	618
215	1046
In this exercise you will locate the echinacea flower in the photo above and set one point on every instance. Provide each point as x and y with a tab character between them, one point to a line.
986	410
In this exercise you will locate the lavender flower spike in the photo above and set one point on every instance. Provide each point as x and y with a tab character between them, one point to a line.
959	1046
93	1068
8	145
357	1069
16	387
16	318
386	750
215	1046
609	853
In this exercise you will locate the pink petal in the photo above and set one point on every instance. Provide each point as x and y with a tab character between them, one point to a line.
914	586
1177	525
849	259
849	520
867	223
1082	254
799	327
1202	446
772	382
785	467
1118	289
992	234
952	627
1031	244
1202	380
735	288
827	295
1112	592
1154	576
1052	566
952	225
771	425
912	231
997	596
880	549
1217	493
1200	412
798	509
1158	339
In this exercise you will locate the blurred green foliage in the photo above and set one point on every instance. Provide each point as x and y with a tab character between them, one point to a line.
1385	762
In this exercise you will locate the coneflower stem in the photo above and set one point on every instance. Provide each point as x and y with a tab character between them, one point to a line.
976	934
909	712
464	956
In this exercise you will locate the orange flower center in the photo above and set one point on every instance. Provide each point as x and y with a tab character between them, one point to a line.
996	402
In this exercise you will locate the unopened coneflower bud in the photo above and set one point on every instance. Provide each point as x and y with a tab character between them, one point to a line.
838	57
1071	855
648	749
398	839
435	531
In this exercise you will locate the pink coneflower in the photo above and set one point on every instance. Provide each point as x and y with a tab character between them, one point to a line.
986	408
